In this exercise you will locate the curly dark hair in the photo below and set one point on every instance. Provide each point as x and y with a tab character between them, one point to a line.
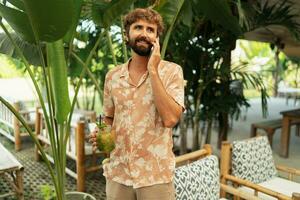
146	14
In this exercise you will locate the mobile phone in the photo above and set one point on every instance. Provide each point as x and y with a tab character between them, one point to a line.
151	50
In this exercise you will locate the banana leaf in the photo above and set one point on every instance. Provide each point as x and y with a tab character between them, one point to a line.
58	70
29	50
18	4
44	20
76	14
219	12
104	14
169	9
19	21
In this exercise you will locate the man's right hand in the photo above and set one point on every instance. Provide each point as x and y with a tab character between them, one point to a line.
93	138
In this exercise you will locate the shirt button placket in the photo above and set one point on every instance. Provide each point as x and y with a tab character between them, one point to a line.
131	131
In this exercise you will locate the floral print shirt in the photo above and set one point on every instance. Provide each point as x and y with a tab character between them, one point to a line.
143	154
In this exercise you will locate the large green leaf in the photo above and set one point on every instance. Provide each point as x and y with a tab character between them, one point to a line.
49	20
104	14
218	11
75	18
59	79
18	21
29	50
186	13
168	9
17	3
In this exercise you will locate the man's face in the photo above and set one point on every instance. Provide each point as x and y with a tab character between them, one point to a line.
141	36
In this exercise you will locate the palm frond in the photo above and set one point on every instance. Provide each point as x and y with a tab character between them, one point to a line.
263	13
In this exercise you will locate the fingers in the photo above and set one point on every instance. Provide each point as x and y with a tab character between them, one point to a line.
93	138
156	46
94	148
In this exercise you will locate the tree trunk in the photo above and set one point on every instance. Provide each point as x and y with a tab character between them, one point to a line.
208	131
226	68
223	128
197	135
196	129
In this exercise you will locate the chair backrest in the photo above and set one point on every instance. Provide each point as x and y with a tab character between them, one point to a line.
199	177
198	180
252	160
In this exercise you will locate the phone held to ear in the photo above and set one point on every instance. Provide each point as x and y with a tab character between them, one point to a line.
151	51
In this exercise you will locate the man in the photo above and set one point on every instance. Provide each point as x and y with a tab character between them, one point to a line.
143	100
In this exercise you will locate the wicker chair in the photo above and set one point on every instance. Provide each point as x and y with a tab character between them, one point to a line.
250	163
197	177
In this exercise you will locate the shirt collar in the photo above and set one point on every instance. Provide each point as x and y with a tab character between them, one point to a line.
124	69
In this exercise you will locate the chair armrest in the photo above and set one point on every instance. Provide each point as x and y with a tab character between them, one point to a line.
257	188
289	170
238	193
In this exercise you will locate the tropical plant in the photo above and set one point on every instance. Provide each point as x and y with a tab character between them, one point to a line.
207	39
45	25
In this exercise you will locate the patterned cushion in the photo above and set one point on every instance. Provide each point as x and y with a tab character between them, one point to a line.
252	160
198	180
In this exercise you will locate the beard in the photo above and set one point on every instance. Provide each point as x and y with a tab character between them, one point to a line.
140	49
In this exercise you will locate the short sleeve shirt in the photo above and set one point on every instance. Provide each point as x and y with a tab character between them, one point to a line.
143	153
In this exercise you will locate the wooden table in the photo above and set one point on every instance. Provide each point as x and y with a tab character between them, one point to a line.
12	171
287	117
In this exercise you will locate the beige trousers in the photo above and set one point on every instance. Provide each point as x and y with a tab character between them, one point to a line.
117	191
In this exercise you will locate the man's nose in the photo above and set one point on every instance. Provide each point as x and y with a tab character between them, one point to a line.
144	32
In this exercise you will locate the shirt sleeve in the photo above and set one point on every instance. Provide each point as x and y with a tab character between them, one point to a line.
108	104
175	86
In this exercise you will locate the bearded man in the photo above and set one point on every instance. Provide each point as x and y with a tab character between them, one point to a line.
143	100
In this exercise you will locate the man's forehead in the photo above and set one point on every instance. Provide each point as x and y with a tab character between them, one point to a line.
145	23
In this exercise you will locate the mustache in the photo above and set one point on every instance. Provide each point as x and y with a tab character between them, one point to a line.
143	39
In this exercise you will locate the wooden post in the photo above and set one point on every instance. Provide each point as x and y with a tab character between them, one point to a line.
19	184
208	148
297	129
253	131
38	119
16	125
94	117
225	163
285	137
80	161
270	133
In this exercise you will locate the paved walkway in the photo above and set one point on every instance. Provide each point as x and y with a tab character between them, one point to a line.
36	173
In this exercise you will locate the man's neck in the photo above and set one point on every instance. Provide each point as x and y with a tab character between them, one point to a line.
139	63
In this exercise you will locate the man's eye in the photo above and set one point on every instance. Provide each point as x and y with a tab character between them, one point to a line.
150	30
138	27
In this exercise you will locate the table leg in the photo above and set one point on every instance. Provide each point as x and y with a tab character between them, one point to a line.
285	137
253	131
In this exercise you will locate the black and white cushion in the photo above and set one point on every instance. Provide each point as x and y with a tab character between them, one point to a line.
252	160
198	180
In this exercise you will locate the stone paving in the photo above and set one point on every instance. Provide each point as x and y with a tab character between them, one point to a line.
36	174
